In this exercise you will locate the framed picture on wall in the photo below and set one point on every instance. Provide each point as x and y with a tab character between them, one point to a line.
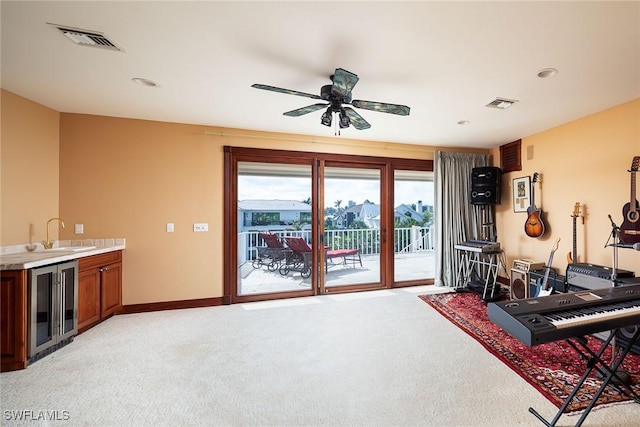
521	194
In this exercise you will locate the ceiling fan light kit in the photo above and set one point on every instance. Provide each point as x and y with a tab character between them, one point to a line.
326	117
337	94
344	119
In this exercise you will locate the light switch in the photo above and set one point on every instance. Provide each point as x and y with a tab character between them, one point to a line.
169	227
79	228
200	227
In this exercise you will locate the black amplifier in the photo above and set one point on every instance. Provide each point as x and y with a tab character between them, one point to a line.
582	276
628	281
555	281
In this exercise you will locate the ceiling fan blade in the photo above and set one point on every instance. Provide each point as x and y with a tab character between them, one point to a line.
305	110
356	119
383	107
343	82
287	91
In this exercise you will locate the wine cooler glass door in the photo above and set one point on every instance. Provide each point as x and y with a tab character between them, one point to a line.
43	298
68	300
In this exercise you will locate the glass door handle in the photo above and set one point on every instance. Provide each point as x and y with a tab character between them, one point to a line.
60	305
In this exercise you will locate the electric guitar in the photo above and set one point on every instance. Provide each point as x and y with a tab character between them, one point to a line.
630	228
534	227
541	286
576	213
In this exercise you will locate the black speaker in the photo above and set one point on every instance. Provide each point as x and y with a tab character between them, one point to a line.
626	334
485	185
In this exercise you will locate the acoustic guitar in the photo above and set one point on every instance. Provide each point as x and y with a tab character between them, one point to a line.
534	227
541	286
571	258
630	228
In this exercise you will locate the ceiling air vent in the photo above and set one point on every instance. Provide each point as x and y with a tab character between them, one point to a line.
88	38
501	103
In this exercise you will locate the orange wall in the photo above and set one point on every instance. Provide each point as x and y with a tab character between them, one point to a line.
29	170
128	178
583	161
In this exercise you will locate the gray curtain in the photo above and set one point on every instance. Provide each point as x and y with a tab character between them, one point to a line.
456	219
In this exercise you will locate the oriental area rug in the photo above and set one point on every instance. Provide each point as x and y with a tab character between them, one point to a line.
553	368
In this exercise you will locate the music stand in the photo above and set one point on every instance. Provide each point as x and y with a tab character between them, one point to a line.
620	376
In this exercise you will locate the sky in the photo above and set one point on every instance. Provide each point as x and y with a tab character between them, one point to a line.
292	188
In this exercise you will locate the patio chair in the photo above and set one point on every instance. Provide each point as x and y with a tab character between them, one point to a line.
300	257
272	254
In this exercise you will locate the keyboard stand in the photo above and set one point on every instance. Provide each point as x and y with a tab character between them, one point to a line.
608	373
481	269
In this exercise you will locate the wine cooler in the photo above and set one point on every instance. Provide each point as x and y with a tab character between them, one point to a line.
53	308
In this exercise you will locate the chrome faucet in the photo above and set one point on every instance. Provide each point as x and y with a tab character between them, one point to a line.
48	244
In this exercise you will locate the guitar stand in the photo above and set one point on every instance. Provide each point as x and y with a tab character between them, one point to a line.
608	373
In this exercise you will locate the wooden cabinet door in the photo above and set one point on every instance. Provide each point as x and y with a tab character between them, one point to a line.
88	298
13	322
111	282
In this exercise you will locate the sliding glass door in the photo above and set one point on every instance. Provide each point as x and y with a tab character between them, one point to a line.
273	206
414	256
301	224
351	226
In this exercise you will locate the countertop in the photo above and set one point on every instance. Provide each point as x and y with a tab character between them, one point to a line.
12	258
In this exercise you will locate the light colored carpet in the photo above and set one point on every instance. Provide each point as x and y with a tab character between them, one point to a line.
368	359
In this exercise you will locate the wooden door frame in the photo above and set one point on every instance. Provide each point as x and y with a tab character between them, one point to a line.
233	155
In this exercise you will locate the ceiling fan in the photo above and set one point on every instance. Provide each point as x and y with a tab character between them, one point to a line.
336	95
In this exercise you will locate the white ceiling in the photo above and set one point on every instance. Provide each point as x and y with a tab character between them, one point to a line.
445	60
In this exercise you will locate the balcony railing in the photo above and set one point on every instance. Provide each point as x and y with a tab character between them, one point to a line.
407	240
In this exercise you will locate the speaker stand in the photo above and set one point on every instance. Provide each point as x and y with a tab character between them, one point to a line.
487	224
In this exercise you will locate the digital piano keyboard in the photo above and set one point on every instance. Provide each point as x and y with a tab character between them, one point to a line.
554	317
478	246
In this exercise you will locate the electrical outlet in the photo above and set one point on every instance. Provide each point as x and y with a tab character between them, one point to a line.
79	229
169	227
200	227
